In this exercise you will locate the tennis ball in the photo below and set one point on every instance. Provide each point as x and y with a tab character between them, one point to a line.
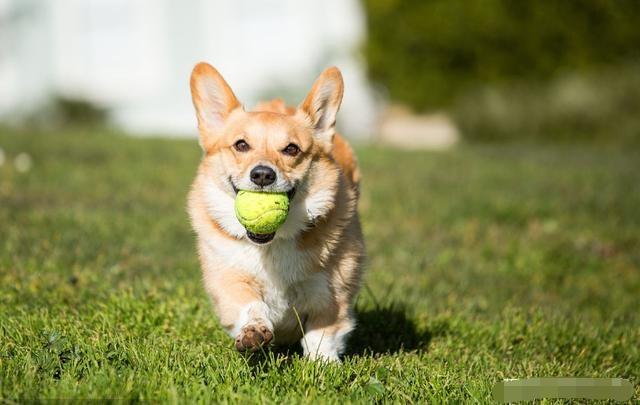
261	213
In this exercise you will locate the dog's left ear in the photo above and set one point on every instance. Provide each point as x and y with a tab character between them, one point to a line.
214	101
322	104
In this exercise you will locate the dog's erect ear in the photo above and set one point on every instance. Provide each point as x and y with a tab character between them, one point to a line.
213	99
323	102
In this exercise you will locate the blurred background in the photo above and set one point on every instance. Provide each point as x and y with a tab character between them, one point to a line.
132	59
499	146
418	73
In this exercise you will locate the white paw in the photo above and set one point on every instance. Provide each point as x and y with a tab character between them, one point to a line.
318	345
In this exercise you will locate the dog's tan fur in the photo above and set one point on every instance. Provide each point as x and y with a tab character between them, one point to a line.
305	280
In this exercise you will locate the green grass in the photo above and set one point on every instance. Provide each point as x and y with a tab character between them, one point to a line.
485	262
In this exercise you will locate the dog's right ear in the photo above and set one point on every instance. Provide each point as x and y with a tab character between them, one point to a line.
322	104
213	99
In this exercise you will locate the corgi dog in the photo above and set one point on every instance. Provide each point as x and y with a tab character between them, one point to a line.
298	283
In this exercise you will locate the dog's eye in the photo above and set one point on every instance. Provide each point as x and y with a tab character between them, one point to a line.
291	150
241	146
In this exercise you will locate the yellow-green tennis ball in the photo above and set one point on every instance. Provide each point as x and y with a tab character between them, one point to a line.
261	213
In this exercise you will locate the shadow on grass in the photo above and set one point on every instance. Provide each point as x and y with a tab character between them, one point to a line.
379	331
385	330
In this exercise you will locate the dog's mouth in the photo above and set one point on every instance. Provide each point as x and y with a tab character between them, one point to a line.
235	189
261	239
290	194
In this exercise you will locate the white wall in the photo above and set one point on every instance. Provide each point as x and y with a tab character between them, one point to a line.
135	56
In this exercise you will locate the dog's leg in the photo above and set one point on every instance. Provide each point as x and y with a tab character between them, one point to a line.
253	329
326	335
241	311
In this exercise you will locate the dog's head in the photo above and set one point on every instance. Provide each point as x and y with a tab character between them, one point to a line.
267	151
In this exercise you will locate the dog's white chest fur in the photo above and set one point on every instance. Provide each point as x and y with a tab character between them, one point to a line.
291	286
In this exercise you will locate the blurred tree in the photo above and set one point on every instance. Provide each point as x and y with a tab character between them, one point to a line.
426	52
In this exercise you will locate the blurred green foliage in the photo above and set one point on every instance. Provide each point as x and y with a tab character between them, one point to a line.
60	112
78	111
427	52
595	106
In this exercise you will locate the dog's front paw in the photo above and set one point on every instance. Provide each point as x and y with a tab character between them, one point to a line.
252	337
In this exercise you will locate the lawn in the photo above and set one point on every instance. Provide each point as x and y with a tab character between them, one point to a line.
484	262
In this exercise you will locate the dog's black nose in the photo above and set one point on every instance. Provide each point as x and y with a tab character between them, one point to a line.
262	175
